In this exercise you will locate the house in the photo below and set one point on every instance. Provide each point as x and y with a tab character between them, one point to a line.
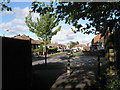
35	44
97	42
61	47
78	47
51	45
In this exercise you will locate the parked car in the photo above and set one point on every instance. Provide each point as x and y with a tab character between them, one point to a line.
69	52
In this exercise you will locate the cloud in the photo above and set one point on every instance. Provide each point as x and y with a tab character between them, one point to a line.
66	35
20	28
18	21
9	28
63	35
17	25
5	25
21	13
32	0
84	40
6	13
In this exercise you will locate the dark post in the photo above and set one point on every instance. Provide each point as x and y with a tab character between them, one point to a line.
98	64
45	55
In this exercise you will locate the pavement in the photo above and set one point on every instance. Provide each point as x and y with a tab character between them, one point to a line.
82	76
83	72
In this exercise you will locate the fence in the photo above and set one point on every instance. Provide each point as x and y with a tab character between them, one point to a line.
16	63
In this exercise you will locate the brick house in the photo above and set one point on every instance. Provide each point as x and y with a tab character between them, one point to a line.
35	44
97	42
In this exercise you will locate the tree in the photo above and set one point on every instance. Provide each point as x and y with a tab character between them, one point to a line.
72	44
97	13
43	28
3	6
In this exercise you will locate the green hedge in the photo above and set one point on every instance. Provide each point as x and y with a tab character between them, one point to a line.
52	50
36	50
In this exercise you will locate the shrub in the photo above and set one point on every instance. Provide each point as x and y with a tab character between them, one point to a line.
52	50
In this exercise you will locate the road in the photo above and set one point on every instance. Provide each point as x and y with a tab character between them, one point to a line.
62	58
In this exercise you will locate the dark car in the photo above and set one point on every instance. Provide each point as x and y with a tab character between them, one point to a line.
69	52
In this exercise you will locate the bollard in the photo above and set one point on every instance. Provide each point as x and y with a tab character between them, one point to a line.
68	66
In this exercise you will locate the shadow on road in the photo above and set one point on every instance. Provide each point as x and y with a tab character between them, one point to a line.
38	58
64	58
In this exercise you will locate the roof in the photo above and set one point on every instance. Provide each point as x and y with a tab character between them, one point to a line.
55	44
35	41
25	37
62	45
80	45
96	38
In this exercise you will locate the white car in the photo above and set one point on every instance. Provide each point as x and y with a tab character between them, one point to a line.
74	50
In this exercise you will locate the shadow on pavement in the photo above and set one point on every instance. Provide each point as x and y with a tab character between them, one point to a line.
44	76
81	78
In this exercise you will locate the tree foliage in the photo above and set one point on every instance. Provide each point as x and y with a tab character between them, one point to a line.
97	13
43	27
3	6
72	44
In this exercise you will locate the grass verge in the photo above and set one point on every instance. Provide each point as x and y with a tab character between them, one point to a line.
48	55
55	54
76	53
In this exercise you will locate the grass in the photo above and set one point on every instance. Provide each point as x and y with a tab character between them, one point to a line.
48	55
76	53
55	54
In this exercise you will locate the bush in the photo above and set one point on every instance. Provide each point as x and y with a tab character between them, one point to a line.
52	50
107	80
36	50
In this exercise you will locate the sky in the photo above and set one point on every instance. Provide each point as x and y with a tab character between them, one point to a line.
12	23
